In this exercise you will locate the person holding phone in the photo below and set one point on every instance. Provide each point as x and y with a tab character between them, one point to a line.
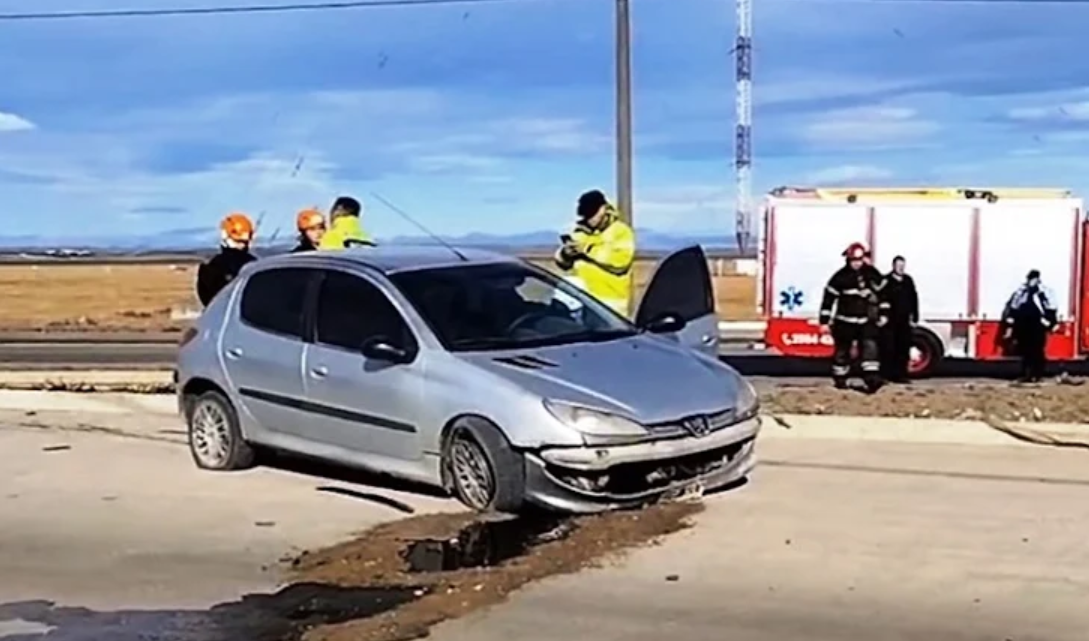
599	253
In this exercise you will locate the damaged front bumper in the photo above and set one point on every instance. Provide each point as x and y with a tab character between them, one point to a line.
599	478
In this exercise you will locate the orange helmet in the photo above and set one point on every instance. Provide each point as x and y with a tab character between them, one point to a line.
855	251
309	219
237	227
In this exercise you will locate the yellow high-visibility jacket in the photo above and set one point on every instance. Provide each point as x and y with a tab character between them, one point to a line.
606	271
343	230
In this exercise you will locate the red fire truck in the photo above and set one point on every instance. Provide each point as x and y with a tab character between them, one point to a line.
967	249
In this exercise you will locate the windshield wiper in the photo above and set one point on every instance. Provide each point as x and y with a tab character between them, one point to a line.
596	335
487	342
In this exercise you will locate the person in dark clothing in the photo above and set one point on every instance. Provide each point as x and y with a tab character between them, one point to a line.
853	308
1028	318
214	274
311	226
903	314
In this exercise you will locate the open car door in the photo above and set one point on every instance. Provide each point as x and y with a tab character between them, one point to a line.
681	285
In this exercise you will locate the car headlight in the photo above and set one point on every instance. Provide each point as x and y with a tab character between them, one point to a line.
748	402
593	422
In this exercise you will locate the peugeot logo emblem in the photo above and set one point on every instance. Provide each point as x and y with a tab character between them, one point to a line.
698	425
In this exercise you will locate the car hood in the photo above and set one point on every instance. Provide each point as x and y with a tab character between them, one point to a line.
646	378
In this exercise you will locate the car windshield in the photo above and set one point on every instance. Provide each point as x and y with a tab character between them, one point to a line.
507	306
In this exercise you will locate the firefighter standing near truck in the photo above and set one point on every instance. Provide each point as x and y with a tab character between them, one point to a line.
854	310
903	315
1028	318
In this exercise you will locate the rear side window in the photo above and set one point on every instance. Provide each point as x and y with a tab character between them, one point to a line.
351	311
274	300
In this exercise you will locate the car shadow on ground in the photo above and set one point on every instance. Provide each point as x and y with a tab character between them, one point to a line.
283	615
364	481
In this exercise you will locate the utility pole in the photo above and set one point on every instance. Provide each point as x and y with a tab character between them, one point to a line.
623	111
743	133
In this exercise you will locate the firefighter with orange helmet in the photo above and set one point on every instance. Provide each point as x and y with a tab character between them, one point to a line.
311	225
236	236
853	307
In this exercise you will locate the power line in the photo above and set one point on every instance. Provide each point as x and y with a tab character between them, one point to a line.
370	4
952	2
229	9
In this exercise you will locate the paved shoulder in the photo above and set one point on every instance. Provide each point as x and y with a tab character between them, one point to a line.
883	541
102	520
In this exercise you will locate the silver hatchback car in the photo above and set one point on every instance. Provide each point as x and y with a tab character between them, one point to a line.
471	371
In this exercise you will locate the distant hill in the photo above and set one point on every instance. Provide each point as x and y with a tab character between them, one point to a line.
200	239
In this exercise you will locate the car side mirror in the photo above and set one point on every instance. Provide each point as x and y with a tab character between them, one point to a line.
665	324
383	349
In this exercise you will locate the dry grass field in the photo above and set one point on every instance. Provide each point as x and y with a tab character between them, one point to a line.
141	297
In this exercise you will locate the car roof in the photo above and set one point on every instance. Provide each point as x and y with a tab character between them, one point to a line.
390	259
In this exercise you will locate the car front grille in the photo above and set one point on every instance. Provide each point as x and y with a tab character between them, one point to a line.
697	425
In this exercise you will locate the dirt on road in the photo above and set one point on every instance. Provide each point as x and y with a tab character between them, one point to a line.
456	563
1060	401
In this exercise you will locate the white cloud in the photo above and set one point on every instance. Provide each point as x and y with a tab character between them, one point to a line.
454	163
799	86
560	135
13	122
844	174
685	206
870	126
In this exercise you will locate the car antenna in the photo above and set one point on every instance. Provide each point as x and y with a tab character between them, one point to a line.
403	214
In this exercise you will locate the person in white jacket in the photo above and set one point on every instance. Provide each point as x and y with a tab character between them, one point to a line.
1028	318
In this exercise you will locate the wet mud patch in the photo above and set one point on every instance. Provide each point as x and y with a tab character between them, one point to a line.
282	616
455	564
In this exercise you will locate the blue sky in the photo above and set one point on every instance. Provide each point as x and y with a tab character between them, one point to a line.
493	118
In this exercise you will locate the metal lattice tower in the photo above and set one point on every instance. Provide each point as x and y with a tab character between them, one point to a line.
743	133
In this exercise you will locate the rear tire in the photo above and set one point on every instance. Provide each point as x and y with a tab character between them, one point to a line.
485	473
215	435
926	353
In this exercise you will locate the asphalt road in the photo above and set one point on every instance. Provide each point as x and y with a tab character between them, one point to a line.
844	542
129	355
831	541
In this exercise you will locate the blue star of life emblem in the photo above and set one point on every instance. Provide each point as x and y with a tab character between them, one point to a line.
791	298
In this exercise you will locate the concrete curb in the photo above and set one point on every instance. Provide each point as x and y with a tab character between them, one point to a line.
776	426
34	379
103	403
933	431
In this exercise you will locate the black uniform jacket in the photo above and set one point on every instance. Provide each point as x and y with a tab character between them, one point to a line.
854	296
903	299
214	274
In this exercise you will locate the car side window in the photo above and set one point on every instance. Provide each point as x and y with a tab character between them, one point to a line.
352	311
274	300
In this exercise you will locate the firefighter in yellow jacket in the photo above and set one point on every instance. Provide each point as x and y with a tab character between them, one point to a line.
345	229
599	253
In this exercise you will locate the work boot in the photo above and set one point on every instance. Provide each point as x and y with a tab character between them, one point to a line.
872	383
839	383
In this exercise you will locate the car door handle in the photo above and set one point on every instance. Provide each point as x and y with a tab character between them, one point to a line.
709	339
318	372
234	352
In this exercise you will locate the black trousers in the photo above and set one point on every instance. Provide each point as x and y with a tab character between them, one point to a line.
1031	344
847	335
896	349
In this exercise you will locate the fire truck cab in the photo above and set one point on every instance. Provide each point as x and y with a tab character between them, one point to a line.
968	249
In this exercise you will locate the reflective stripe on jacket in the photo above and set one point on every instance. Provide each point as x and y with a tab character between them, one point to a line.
342	232
607	275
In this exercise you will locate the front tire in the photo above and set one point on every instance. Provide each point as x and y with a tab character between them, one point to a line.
485	472
215	434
